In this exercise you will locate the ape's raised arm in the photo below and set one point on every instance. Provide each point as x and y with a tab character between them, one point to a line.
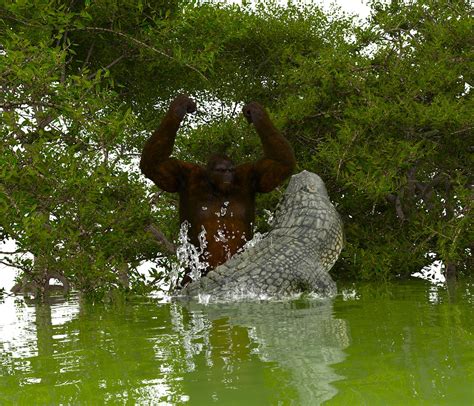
156	164
278	161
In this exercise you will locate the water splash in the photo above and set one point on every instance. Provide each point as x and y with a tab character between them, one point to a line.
257	237
193	259
190	257
223	210
269	217
220	237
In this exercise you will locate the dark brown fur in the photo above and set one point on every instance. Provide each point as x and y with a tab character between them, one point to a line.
203	191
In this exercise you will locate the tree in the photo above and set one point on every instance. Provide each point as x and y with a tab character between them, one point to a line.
67	194
400	150
380	111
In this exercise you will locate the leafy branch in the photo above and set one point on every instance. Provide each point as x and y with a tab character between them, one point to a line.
143	45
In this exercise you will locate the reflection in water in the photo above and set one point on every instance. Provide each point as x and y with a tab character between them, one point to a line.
17	329
302	337
81	353
145	352
27	352
409	344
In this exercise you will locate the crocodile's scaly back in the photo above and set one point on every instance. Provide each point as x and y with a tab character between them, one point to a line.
294	257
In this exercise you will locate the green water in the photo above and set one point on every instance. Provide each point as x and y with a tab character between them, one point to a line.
400	344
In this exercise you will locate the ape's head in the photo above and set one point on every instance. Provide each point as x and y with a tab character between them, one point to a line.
221	172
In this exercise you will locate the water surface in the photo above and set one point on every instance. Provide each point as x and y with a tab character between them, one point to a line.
403	343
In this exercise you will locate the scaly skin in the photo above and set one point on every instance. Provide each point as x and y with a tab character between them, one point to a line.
294	257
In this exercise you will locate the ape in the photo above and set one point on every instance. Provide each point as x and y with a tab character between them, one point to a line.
221	196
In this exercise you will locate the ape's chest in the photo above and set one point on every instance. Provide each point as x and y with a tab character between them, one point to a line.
206	207
227	221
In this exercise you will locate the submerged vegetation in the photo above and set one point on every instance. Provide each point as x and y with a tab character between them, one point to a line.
382	111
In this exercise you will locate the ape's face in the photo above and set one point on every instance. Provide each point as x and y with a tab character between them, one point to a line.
222	174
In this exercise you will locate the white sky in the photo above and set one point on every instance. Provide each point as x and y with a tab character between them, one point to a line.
357	7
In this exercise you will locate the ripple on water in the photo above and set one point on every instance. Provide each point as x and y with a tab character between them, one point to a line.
377	344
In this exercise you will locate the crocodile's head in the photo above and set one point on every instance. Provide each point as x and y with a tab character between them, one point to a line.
307	182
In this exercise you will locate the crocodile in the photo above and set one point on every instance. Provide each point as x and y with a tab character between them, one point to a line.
293	258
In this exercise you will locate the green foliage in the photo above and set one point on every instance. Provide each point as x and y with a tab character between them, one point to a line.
382	111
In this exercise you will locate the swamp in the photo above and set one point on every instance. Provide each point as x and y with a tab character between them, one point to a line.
407	343
379	107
